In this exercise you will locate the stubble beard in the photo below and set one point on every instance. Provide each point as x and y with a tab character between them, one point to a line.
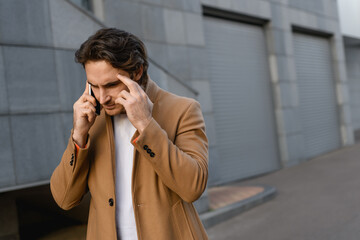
118	110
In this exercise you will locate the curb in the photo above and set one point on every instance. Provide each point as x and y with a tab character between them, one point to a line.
217	216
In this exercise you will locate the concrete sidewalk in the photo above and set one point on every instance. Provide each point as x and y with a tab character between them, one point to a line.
230	200
318	199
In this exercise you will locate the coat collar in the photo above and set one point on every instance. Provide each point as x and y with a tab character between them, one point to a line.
152	90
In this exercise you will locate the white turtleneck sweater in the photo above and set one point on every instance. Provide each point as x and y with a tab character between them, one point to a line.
124	150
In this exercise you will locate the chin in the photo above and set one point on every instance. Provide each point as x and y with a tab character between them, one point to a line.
113	112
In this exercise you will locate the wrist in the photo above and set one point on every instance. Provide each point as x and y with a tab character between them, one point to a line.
144	125
79	139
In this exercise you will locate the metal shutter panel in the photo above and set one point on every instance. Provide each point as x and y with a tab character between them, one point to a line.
317	99
242	102
353	73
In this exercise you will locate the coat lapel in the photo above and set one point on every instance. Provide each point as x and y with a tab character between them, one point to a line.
111	141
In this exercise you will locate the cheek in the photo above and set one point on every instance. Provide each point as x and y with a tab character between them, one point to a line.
113	93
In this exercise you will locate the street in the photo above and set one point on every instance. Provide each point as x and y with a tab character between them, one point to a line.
317	200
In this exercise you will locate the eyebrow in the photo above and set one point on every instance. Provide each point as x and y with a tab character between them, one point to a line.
105	85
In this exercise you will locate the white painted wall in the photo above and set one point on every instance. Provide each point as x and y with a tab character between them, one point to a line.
349	13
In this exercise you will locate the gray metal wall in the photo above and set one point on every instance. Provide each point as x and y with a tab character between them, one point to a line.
352	53
316	17
39	84
242	99
318	111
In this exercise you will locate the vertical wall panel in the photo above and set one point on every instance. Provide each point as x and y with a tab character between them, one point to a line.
353	73
241	93
318	110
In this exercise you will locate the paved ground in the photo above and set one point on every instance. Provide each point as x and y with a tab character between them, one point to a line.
225	195
317	200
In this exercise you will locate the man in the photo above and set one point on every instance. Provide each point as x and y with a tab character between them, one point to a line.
144	159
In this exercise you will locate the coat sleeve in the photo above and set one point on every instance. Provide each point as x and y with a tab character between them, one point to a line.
68	182
182	165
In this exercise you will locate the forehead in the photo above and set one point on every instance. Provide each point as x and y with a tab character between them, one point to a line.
101	72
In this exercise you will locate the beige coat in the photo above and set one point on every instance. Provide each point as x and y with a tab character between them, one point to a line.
165	180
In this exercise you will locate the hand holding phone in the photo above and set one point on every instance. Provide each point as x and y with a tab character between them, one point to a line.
97	102
85	110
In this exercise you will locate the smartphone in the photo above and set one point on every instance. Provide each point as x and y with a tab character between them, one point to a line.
97	108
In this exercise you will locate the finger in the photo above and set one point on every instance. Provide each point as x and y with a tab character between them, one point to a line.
121	101
89	114
125	95
87	87
131	84
85	112
88	98
91	118
88	105
139	89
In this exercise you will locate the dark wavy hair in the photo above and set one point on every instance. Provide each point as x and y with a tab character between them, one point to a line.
121	49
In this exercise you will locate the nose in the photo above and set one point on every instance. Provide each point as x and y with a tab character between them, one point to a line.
104	97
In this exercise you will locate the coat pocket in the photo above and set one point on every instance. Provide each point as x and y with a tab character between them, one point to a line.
181	222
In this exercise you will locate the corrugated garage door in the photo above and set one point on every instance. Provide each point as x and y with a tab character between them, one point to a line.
353	75
317	99
242	99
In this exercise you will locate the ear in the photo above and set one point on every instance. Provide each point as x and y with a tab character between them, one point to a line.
139	73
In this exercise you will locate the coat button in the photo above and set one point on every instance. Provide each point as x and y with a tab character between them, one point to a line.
71	162
111	202
152	154
149	150
146	147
